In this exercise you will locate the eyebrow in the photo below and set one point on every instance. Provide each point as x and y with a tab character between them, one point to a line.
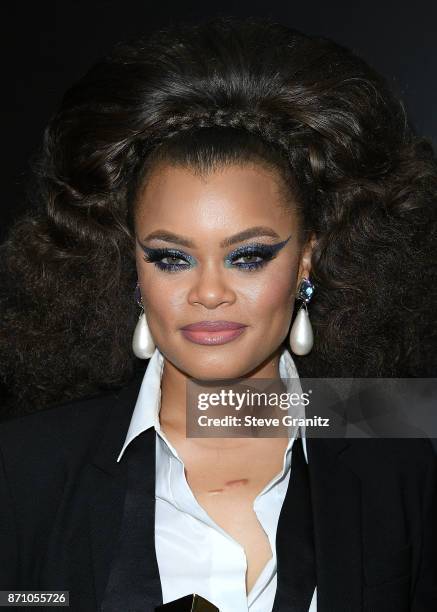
251	232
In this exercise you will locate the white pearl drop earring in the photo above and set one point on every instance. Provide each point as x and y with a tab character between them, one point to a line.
142	341
301	333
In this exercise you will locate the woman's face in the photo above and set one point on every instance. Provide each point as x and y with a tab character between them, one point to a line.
203	271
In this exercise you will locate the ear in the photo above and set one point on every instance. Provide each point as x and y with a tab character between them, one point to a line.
305	259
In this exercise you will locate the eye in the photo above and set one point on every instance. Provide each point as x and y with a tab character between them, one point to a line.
173	258
258	259
251	257
168	260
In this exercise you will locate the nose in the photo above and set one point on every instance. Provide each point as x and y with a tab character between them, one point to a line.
211	288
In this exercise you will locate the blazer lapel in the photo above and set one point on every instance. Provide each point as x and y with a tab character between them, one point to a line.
296	572
105	514
122	514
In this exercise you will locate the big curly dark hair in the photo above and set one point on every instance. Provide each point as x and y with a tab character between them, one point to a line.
306	106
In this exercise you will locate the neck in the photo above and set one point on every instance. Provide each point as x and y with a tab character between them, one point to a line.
173	412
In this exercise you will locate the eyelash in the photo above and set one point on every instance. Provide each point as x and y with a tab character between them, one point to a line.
267	252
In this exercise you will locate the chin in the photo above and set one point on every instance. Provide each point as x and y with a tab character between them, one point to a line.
216	372
214	367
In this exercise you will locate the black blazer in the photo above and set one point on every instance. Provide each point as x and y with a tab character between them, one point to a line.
62	494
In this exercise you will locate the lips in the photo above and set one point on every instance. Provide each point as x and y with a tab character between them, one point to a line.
213	332
213	326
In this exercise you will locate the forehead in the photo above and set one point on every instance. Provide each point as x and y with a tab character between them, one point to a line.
234	194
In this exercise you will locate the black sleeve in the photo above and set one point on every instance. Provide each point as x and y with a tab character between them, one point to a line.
425	592
9	564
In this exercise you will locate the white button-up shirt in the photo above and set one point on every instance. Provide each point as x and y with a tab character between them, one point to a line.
194	554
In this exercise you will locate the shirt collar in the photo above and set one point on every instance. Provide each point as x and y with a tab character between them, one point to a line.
146	411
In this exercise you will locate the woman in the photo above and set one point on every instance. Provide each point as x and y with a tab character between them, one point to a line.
223	171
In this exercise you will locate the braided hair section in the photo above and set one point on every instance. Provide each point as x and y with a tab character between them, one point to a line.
273	129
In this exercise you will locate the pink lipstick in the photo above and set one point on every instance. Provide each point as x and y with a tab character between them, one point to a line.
213	332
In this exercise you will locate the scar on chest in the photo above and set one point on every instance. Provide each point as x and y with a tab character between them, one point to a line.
231	483
236	483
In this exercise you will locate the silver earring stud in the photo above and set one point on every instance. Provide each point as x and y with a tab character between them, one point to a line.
142	341
301	333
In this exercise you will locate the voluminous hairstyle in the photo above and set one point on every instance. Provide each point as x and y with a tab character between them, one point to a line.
220	92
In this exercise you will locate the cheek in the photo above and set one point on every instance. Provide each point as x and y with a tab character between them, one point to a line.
271	293
162	296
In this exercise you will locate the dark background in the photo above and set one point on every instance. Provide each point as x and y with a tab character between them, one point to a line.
51	44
